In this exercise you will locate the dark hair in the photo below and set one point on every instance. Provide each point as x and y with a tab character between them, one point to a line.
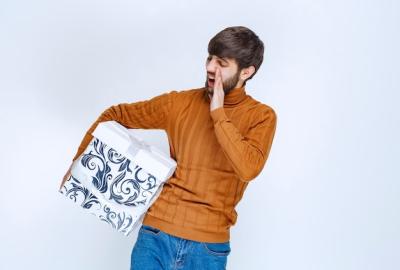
239	43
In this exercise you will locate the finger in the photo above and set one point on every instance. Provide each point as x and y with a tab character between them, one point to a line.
218	78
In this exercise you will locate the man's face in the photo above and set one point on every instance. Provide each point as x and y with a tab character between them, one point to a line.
229	72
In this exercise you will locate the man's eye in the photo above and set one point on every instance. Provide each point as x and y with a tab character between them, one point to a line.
219	62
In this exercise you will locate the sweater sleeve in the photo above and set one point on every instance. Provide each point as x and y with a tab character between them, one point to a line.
247	153
149	114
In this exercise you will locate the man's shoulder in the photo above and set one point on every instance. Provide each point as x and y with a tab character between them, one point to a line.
190	91
187	93
261	107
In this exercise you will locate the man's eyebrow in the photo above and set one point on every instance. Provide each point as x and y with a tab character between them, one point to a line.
223	59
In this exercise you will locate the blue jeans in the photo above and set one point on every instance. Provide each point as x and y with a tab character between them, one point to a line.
157	250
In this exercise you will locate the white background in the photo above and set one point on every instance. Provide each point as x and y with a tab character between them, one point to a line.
329	195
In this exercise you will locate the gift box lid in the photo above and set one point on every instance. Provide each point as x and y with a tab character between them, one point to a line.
146	156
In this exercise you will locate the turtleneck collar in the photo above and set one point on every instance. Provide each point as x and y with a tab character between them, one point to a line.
235	96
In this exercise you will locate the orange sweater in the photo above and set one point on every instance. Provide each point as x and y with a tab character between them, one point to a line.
217	153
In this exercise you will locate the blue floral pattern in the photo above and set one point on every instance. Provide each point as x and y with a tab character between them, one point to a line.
74	190
112	175
117	179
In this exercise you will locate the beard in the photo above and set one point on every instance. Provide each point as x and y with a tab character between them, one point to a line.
228	85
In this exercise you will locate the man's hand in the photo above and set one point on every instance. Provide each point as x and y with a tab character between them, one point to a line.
65	177
217	99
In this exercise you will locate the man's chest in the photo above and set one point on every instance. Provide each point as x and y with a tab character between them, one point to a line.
193	136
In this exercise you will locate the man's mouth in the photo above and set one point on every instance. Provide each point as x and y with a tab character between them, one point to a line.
211	82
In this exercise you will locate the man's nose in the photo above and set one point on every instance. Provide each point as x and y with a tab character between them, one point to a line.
211	67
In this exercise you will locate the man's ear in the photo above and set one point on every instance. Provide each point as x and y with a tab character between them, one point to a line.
246	73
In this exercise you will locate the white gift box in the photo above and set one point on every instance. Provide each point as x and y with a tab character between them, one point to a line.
118	177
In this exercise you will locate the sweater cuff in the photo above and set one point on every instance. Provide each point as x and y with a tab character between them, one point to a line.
218	115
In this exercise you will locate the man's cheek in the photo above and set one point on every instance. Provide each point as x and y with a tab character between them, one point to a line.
223	76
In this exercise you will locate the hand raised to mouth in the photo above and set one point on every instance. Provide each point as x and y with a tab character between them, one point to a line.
217	99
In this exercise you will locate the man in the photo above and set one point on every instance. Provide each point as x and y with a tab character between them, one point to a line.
220	137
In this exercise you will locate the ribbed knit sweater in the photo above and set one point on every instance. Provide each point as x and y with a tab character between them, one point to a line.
217	153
